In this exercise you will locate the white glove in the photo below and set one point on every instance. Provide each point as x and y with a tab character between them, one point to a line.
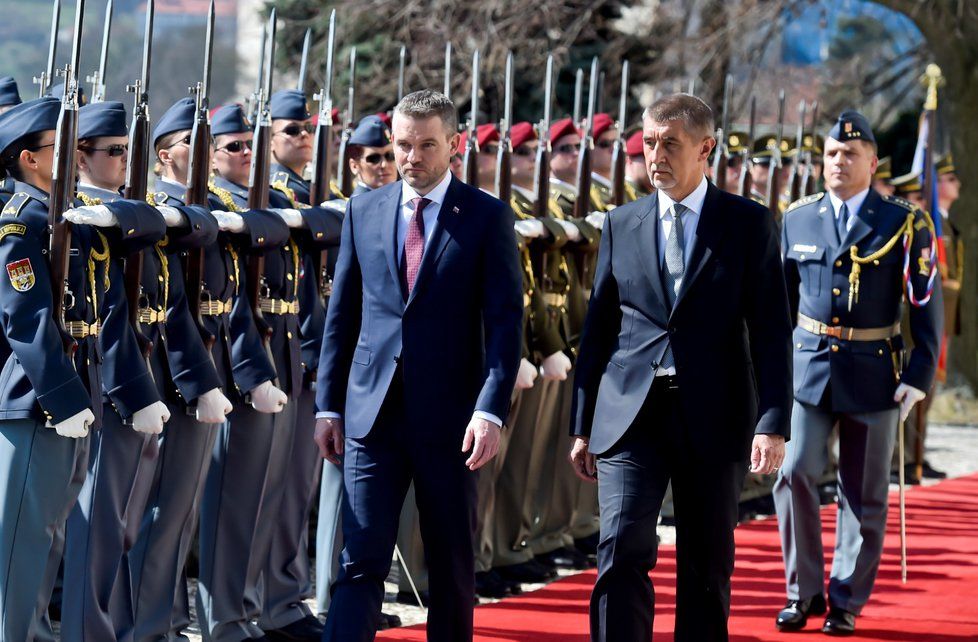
150	420
336	204
265	397
555	367
229	221
291	217
530	228
172	216
212	407
596	219
907	396
525	376
97	215
571	230
75	426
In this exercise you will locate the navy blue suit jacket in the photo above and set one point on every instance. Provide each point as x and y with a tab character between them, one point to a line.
456	340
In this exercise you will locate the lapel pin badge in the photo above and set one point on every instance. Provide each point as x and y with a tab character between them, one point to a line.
455	209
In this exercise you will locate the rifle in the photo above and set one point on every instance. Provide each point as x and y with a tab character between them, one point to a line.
582	202
600	105
137	171
198	175
745	177
795	181
44	80
578	90
63	185
98	78
470	158
344	177
322	147
808	179
400	73
773	179
504	171
258	181
301	84
618	152
722	153
541	173
253	99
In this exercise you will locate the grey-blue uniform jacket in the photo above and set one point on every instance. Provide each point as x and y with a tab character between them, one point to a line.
860	376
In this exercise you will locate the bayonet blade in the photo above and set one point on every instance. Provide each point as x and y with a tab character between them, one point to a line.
400	73
474	98
208	53
508	95
306	41
448	69
148	42
98	78
330	47
351	92
270	61
592	96
578	93
44	80
548	99
623	100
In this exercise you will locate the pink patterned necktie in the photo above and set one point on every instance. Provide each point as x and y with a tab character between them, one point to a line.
413	245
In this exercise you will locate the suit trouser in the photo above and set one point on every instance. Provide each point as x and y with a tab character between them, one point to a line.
865	443
237	514
632	479
377	472
102	528
411	545
42	476
287	580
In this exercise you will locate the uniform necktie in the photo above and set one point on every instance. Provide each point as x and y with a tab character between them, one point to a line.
413	244
675	269
842	224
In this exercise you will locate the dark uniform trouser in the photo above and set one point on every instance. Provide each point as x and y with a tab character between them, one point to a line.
42	476
102	528
287	578
865	444
632	479
237	515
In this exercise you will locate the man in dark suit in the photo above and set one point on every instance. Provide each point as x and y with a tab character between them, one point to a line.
684	373
419	360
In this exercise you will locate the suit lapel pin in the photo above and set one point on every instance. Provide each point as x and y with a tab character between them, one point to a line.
455	209
822	209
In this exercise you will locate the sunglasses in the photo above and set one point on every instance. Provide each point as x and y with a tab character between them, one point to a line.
377	157
235	146
296	129
604	144
490	149
111	150
523	150
184	141
40	147
567	148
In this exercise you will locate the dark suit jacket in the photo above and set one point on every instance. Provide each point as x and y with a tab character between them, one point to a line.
456	340
729	329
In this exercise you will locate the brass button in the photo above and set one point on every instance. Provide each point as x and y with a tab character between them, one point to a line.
797	345
160	278
876	261
802	257
261	239
838	263
289	277
289	334
835	319
319	235
834	348
836	291
881	352
132	231
231	278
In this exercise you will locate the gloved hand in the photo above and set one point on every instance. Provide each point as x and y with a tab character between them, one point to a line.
150	420
172	216
572	231
292	217
229	221
336	204
555	367
75	426
212	407
596	219
907	397
97	215
265	397
530	228
526	374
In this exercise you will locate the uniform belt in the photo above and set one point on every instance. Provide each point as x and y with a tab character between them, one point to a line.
555	300
81	329
149	315
847	334
215	308
278	306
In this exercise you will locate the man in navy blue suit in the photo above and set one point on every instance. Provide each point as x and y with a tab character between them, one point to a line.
419	359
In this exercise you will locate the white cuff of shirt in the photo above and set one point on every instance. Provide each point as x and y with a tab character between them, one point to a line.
328	415
493	419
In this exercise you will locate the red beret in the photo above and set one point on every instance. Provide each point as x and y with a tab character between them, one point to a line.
635	144
602	123
521	133
460	150
336	117
486	133
562	128
385	118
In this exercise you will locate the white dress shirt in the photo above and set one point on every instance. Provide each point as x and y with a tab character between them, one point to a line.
853	205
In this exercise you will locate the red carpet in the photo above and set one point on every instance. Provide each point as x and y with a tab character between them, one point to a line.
938	604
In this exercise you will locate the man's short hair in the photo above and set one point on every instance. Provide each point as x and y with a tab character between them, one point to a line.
428	103
696	115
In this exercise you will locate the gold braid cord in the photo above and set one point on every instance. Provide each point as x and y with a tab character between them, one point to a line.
165	270
103	258
225	197
283	187
859	261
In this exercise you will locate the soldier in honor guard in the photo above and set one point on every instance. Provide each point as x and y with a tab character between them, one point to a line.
51	397
635	173
292	140
736	143
371	155
844	256
882	177
9	96
605	134
760	165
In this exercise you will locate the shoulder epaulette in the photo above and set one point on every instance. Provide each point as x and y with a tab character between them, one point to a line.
15	205
88	200
902	202
280	177
811	198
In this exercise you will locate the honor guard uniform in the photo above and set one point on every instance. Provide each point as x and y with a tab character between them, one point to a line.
636	173
760	162
847	266
737	143
883	176
374	133
58	91
290	104
43	386
605	133
9	96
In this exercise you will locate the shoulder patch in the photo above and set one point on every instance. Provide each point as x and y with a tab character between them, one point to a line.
15	205
12	228
21	275
811	198
280	177
902	202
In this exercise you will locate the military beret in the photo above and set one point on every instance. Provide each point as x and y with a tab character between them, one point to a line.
602	123
371	132
884	169
8	92
561	128
907	184
58	91
945	164
522	132
335	113
229	119
385	118
289	104
852	125
179	117
38	115
102	119
736	142
635	145
486	133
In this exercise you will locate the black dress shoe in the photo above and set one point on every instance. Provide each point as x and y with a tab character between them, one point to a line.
587	545
531	572
930	472
407	597
388	621
839	622
489	584
794	615
308	629
567	558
